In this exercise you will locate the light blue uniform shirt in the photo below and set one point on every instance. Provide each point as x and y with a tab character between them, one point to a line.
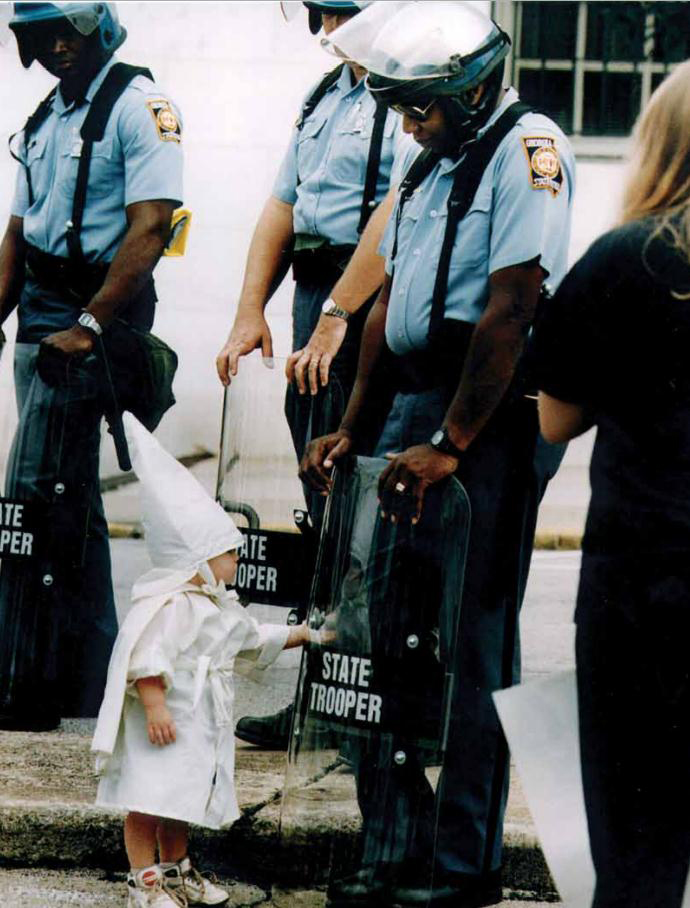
138	160
324	169
521	212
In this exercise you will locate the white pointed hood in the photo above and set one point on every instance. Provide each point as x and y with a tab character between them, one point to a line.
183	526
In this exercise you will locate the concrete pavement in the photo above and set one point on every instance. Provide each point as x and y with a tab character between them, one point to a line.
40	888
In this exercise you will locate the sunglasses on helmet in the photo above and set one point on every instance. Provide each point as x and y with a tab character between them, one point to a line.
414	113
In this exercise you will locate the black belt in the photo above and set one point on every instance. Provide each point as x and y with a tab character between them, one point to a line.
321	264
440	365
78	281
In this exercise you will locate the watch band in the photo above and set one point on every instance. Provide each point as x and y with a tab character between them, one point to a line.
330	307
440	440
86	320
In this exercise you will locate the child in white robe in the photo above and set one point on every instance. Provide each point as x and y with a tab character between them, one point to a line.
164	738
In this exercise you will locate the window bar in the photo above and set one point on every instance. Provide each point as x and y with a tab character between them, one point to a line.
605	20
541	44
578	66
650	23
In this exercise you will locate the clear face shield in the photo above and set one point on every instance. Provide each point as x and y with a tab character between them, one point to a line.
84	17
412	40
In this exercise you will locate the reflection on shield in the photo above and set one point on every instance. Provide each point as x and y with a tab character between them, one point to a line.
373	696
259	487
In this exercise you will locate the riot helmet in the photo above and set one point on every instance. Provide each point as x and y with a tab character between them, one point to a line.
336	7
99	19
418	54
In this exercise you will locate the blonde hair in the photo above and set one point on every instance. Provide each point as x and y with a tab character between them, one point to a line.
659	181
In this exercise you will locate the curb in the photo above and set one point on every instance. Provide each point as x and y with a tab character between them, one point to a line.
64	836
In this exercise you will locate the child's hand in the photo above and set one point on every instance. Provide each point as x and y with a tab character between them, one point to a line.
160	723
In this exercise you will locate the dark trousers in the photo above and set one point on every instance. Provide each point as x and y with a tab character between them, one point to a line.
57	613
633	627
505	473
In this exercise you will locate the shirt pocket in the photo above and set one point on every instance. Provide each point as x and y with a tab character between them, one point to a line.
350	152
407	225
309	152
36	161
101	171
472	244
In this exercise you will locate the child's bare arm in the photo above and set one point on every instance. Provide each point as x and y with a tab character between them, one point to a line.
302	634
161	727
297	636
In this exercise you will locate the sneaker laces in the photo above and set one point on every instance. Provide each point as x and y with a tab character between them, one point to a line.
198	879
179	896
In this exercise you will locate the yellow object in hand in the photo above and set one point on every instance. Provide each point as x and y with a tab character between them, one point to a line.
179	231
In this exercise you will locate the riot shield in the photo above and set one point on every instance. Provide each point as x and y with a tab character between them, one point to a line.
359	805
259	487
57	612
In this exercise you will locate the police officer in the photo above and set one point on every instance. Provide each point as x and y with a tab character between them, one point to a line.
85	232
344	154
455	309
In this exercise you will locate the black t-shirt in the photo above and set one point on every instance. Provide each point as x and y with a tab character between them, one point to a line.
616	340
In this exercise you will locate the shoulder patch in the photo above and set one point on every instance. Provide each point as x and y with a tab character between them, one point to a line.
545	171
166	121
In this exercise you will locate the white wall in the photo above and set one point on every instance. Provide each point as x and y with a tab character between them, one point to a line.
238	72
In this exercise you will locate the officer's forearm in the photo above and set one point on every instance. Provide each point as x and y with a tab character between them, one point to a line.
366	269
12	250
269	256
134	261
494	351
371	345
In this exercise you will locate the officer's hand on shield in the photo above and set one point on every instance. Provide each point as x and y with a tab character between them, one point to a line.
403	483
249	332
313	362
319	457
56	351
76	341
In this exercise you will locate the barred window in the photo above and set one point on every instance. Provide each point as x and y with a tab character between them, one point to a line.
591	66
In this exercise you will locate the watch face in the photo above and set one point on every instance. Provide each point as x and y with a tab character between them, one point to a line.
328	307
437	437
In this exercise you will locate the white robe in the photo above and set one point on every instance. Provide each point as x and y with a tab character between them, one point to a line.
193	638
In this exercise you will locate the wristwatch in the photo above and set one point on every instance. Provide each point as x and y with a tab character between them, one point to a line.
86	320
330	307
440	440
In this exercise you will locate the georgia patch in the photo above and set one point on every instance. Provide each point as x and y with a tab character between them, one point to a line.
545	171
166	121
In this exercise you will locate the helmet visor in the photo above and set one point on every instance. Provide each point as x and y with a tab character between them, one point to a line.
411	40
85	17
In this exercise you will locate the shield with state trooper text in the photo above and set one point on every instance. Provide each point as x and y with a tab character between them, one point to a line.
57	624
259	487
359	814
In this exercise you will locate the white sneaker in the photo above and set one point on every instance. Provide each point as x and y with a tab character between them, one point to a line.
197	889
147	889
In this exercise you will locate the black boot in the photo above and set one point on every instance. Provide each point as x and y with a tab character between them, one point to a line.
271	732
459	890
29	722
